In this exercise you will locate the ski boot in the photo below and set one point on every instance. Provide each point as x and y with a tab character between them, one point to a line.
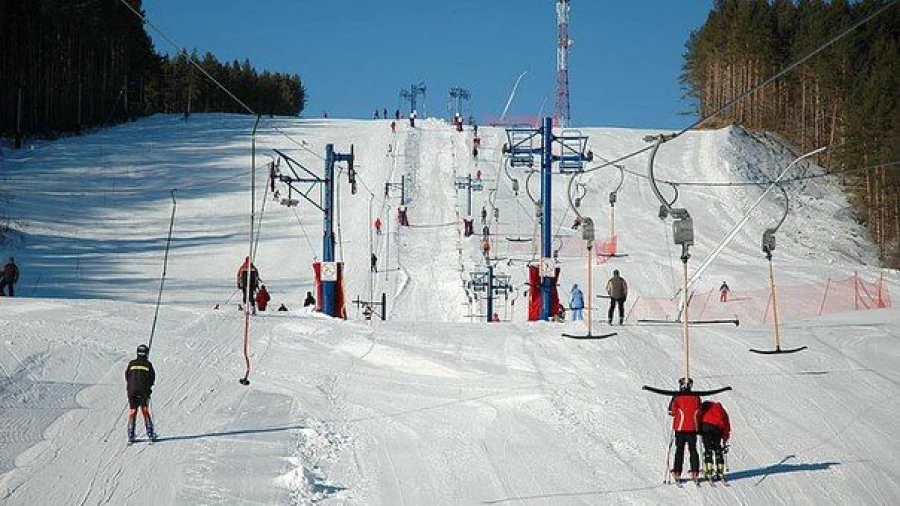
151	434
708	474
131	434
621	321
720	472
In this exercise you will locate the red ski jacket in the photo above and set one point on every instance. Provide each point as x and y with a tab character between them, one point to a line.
262	299
685	412
714	414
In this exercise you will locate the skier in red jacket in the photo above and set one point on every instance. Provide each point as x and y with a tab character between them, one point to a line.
262	298
715	429
684	408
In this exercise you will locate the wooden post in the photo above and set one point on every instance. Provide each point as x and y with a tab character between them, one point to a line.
684	325
774	307
590	297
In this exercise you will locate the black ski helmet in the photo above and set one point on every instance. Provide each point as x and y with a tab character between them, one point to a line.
685	384
143	350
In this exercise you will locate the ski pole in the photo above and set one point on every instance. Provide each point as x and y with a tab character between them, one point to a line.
236	290
668	455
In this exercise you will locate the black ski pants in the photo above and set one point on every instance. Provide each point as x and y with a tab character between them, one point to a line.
612	308
712	445
689	439
12	287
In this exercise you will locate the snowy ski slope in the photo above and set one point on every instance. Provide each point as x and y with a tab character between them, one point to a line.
431	406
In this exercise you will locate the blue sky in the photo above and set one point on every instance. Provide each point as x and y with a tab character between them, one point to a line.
356	55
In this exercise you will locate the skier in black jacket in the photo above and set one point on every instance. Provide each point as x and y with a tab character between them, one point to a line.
139	378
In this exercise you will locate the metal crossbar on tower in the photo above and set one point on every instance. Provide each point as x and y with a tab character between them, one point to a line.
457	95
563	111
411	95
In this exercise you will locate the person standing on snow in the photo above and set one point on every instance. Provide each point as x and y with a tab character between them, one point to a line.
617	289
576	303
715	429
374	262
412	119
248	282
723	292
262	298
377	226
310	300
139	379
684	408
9	277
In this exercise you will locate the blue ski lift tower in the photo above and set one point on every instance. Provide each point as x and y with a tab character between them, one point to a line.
521	150
411	96
457	96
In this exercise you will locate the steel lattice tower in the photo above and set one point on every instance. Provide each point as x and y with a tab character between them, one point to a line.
563	111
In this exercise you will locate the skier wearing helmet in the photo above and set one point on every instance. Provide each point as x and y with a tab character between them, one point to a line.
684	408
139	378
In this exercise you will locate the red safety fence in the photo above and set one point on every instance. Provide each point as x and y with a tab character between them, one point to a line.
754	307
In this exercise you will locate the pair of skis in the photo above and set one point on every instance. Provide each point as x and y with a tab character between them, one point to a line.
149	440
679	482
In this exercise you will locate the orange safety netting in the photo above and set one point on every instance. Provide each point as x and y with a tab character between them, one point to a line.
755	306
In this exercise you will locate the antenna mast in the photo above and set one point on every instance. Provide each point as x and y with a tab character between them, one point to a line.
563	111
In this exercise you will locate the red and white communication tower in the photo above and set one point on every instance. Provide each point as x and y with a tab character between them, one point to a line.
563	111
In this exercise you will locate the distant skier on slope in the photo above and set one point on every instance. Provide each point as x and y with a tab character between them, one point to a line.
139	379
617	289
9	276
715	429
684	408
262	298
723	292
576	303
248	283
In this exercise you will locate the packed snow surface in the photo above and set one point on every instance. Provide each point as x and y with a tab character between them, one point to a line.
431	406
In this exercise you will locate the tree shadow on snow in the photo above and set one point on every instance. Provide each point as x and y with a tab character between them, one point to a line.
188	437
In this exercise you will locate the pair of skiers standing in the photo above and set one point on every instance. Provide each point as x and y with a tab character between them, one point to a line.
248	283
709	420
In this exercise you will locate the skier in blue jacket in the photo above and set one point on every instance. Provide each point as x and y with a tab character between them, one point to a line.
576	303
